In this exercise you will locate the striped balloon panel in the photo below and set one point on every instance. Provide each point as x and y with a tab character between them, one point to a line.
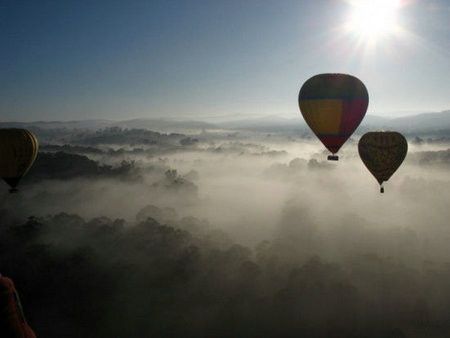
382	153
333	106
333	121
18	150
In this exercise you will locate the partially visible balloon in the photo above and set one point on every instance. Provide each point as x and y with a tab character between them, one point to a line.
382	153
333	106
12	320
18	150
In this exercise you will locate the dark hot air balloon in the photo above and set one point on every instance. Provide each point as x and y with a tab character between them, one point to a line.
333	106
382	152
12	320
18	150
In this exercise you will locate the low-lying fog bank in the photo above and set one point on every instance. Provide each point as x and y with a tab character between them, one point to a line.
243	235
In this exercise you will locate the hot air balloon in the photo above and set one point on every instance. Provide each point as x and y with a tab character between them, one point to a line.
18	150
12	320
382	153
333	106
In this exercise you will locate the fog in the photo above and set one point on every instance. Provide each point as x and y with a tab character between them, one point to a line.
229	234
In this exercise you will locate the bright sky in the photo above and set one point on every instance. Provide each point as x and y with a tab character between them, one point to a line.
69	60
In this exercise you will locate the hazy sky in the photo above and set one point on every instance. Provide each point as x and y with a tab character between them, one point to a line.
197	59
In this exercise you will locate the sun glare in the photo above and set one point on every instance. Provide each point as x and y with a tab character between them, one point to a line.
373	19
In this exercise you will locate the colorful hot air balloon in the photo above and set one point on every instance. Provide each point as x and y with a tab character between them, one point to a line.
382	153
18	150
333	106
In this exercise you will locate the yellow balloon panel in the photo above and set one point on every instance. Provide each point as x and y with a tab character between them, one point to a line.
323	116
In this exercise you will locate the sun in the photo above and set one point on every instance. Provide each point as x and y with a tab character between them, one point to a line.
373	19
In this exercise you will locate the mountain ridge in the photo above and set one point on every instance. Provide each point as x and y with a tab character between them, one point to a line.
425	122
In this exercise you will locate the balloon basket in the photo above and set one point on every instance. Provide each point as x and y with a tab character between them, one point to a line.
13	191
333	158
382	190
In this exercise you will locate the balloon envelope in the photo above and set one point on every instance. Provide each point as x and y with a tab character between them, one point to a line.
382	153
333	106
18	150
12	320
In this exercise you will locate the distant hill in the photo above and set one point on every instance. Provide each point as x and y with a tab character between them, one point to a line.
265	124
163	125
276	123
421	123
82	124
150	124
427	123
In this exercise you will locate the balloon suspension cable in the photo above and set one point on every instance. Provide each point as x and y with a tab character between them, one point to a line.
333	157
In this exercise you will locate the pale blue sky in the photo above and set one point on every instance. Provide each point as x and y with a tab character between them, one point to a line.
70	60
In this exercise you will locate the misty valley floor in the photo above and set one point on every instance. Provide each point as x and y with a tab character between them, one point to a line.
227	233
